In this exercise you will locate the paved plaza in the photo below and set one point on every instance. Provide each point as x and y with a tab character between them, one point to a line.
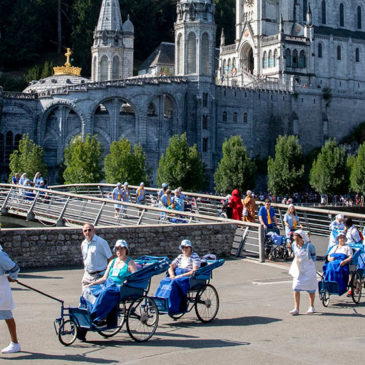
252	326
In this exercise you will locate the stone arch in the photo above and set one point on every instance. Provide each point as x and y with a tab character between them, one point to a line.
116	68
191	53
205	54
151	111
104	65
247	61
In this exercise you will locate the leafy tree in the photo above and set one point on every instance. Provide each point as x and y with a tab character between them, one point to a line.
286	170
27	158
329	172
235	170
123	164
181	165
357	176
83	161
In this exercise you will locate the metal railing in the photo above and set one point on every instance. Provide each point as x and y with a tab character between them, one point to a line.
92	204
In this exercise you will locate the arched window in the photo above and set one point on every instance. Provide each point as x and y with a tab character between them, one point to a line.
205	54
320	50
357	54
205	144
115	69
359	18
9	146
342	15
264	60
302	59
295	59
1	148
191	53
275	57
18	137
305	7
205	121
104	68
168	108
224	117
229	67
324	12
205	100
339	53
179	54
287	57
224	67
235	117
245	118
271	61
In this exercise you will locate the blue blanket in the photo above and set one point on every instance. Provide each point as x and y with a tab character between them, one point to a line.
333	271
100	299
175	290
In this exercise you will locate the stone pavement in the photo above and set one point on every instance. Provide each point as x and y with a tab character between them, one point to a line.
253	325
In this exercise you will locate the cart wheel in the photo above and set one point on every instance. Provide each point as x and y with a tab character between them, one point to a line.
206	303
356	285
120	322
325	296
142	319
68	332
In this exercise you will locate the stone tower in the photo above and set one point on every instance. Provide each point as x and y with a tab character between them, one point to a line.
113	48
195	33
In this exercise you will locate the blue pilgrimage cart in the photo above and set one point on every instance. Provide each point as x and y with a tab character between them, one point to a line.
135	308
356	278
202	296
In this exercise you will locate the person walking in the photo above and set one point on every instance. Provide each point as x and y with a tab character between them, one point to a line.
126	198
8	272
303	271
117	195
236	204
267	217
249	207
140	194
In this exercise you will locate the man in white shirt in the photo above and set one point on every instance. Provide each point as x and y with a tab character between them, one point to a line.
95	254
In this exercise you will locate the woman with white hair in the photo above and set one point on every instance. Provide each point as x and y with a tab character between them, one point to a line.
336	226
303	270
249	207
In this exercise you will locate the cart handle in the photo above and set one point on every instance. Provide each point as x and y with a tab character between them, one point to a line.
40	292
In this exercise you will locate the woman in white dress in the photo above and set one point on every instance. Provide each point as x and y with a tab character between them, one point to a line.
303	270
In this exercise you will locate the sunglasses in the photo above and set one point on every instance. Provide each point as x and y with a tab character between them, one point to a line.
87	230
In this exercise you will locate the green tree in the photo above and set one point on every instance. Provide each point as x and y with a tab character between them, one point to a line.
357	176
286	170
27	158
123	164
329	172
236	170
83	161
181	165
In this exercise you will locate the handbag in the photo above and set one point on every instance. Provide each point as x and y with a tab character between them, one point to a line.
294	270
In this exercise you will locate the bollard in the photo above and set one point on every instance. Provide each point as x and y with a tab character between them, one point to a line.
261	234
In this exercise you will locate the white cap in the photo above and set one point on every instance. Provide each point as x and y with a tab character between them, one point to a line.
141	184
185	243
125	184
302	234
340	216
120	243
249	192
119	184
341	234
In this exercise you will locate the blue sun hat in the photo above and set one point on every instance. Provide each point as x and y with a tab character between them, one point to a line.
185	243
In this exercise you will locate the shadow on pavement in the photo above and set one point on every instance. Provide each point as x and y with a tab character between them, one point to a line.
32	276
327	314
181	343
241	321
25	355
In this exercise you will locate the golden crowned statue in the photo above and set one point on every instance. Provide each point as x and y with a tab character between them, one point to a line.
67	69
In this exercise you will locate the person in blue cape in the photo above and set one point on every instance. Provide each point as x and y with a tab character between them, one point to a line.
101	296
337	268
175	287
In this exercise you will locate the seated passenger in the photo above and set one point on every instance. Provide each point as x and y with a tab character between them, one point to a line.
336	226
337	268
175	287
101	299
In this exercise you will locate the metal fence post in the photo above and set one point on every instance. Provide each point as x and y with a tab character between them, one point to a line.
59	222
4	209
96	221
261	234
30	214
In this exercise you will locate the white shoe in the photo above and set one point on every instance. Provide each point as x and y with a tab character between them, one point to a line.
13	347
294	312
311	310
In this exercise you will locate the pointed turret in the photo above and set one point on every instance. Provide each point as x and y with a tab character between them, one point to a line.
109	18
309	15
281	24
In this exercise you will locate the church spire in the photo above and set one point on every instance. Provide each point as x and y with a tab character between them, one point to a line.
223	38
309	15
110	17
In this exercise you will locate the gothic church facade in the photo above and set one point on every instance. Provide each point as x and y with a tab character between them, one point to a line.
257	91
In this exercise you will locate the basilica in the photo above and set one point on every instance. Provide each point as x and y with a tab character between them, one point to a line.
295	67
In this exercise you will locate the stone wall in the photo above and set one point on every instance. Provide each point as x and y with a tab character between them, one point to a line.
54	247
